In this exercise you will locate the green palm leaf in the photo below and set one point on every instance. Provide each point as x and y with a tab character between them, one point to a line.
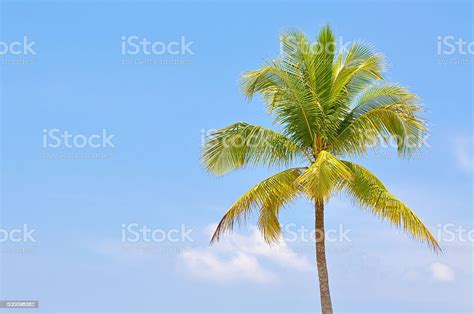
324	177
371	193
241	144
268	196
381	113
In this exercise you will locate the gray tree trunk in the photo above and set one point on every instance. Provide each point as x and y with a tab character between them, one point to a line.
326	305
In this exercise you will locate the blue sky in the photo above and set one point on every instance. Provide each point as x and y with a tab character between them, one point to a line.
157	113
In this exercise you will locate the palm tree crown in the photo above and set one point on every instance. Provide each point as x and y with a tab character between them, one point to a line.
328	105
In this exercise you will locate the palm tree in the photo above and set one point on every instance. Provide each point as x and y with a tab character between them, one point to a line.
328	105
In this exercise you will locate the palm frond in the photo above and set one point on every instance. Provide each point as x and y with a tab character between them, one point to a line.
371	193
269	196
288	100
324	177
382	113
241	144
359	68
323	56
297	86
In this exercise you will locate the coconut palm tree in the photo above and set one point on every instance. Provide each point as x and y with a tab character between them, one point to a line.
327	105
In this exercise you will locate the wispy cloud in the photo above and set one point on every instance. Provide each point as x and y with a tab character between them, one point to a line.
441	272
242	258
241	266
464	153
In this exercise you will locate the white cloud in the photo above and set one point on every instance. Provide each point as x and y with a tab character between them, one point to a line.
241	266
463	153
441	272
239	257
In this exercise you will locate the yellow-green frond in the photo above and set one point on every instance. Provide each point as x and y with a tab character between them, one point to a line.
371	193
357	69
268	223
324	177
240	144
268	196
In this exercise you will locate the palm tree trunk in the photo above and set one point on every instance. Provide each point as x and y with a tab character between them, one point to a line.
326	304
